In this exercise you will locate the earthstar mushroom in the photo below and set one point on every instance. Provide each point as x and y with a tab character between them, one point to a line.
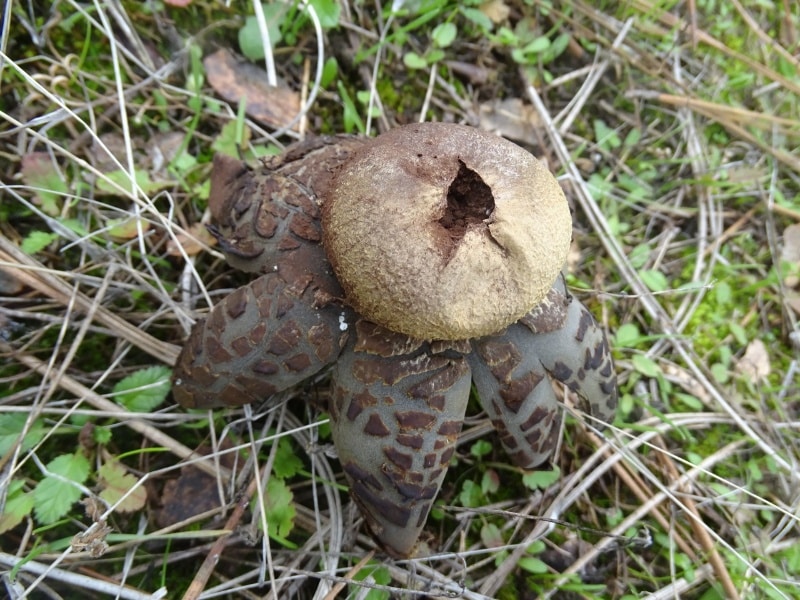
439	267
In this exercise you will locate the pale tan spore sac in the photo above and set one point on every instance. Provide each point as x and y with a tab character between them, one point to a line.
459	232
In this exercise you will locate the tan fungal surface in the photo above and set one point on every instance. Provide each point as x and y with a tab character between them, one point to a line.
442	231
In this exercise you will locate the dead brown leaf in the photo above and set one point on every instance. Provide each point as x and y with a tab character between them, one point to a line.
193	493
755	363
790	254
496	10
237	80
197	239
511	118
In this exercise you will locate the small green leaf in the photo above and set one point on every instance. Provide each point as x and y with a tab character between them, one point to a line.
39	171
329	72
738	332
287	463
444	34
19	505
53	496
655	280
11	425
126	228
633	137
720	372
645	365
250	42
541	479
491	536
490	482
723	292
378	574
540	44
434	56
36	241
101	435
116	483
627	335
328	12
231	138
143	390
351	118
279	509
414	61
532	565
470	495
480	448
605	137
116	181
478	17
507	37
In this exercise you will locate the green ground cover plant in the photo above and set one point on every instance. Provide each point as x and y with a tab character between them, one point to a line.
674	130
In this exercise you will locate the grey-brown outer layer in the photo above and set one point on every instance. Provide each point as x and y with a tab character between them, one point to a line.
395	421
281	328
514	373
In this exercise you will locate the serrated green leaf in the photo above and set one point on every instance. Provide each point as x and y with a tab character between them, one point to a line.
143	390
541	479
11	425
101	435
54	497
279	509
470	495
480	448
36	241
117	483
18	506
74	467
231	138
287	463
